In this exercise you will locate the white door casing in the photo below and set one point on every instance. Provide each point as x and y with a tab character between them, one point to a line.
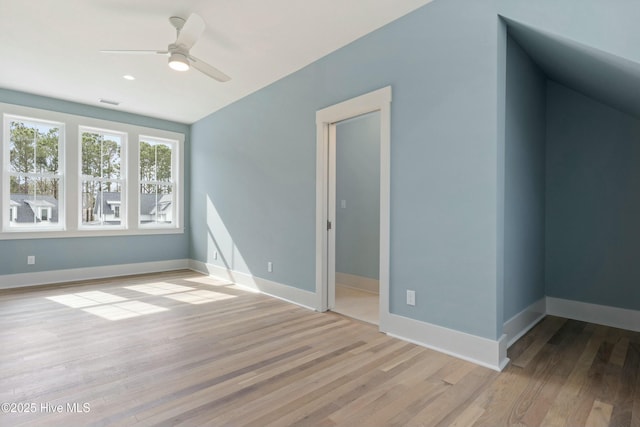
379	100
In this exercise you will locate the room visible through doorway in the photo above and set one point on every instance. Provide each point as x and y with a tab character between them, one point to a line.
355	167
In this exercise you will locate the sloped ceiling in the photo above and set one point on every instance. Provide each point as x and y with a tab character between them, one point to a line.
51	47
605	77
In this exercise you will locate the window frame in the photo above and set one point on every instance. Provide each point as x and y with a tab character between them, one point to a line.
122	180
9	226
70	168
174	162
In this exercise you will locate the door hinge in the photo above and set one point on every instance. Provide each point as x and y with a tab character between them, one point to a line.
328	225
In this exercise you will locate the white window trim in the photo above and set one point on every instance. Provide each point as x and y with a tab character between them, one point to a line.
69	222
176	155
122	180
5	200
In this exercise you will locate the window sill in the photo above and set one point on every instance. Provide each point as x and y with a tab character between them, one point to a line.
61	234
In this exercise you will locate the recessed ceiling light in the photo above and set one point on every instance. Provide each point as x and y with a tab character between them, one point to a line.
128	77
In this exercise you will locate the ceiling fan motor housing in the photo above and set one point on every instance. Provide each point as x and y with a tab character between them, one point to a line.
178	60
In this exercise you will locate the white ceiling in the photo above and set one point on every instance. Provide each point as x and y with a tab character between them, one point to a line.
51	47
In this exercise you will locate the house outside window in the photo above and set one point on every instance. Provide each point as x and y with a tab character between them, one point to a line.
33	153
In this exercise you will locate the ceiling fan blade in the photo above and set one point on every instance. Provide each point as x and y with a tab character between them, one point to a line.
138	52
209	70
191	31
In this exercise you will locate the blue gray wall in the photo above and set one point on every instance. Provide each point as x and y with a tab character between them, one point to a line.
453	215
589	231
64	253
524	218
451	187
606	26
593	207
253	165
358	184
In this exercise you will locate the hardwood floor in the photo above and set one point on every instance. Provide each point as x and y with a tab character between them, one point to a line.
184	349
357	304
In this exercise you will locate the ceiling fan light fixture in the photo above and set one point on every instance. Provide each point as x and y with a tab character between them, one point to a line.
178	62
187	34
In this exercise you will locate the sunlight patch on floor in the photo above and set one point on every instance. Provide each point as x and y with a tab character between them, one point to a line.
86	299
114	307
159	288
124	310
199	297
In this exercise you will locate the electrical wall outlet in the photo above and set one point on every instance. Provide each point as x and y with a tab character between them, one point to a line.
270	267
215	255
31	259
411	297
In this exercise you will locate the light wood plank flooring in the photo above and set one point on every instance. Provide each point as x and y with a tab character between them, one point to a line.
358	304
184	349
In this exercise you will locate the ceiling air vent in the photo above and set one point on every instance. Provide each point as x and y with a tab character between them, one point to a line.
107	101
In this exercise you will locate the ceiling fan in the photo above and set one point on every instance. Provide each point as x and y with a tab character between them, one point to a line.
188	32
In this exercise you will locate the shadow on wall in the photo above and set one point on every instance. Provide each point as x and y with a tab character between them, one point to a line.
248	213
224	244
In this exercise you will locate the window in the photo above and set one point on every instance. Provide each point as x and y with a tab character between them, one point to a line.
64	175
45	214
33	159
102	184
157	171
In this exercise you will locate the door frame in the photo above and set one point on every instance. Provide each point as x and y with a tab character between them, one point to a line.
378	100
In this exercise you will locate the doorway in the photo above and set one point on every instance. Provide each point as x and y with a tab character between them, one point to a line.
354	192
328	121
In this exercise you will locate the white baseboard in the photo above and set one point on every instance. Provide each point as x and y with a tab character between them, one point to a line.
278	290
481	351
522	322
593	313
20	280
358	282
